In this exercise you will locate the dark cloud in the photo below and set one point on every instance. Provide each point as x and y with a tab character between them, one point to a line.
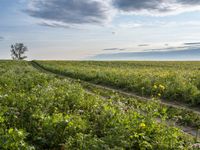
194	43
1	38
137	5
166	44
186	54
54	25
189	2
159	6
71	11
113	32
64	13
114	49
143	45
185	46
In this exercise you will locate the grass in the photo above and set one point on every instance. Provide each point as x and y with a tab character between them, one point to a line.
40	111
172	81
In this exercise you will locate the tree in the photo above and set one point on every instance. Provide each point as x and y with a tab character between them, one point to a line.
18	50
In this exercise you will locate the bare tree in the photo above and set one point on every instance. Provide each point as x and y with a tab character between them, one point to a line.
18	50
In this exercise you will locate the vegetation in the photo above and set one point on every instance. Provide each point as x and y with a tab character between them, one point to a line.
39	111
175	115
174	81
18	50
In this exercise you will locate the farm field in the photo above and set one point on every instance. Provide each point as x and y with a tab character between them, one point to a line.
172	81
42	111
100	75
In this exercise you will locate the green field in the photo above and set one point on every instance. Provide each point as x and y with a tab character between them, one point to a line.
41	110
174	81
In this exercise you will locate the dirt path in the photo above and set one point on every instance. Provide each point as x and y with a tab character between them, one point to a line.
187	130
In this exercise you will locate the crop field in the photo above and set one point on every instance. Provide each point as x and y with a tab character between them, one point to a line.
173	81
48	105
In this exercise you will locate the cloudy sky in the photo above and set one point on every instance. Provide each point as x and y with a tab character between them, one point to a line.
81	29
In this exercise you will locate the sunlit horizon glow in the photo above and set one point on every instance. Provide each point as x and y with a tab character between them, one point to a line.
85	29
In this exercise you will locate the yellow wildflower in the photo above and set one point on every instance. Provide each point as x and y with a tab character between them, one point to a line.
162	87
142	125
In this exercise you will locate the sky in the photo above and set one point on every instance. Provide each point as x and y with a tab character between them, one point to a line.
86	29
